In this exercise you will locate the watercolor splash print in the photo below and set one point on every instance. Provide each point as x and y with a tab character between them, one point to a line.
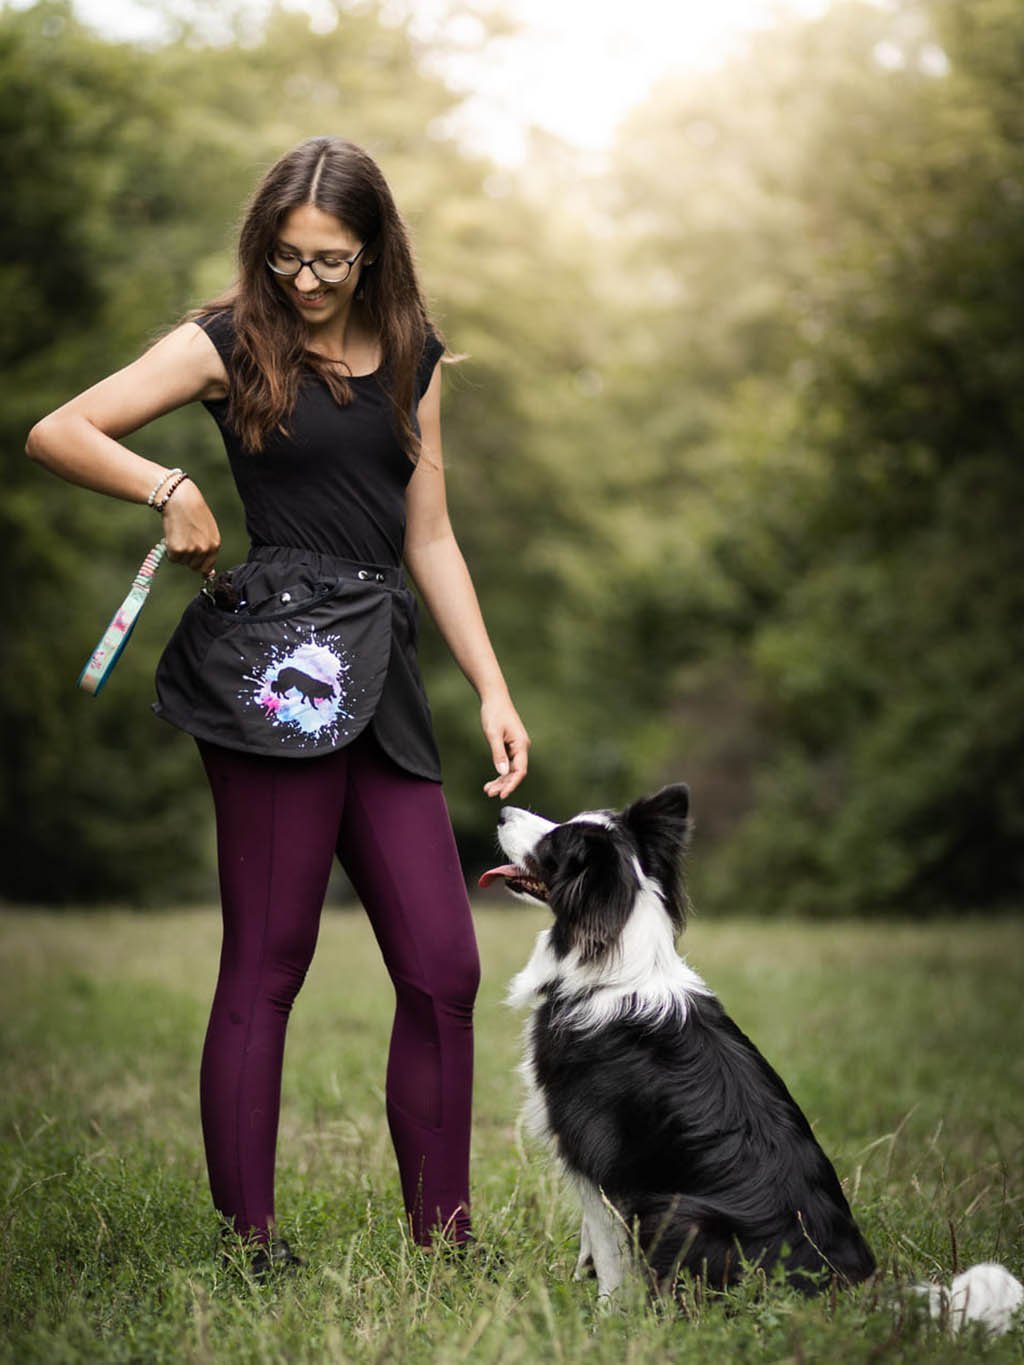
304	689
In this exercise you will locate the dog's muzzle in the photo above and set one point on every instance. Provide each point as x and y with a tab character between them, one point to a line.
519	832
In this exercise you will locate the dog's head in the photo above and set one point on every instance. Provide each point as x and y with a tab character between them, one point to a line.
590	870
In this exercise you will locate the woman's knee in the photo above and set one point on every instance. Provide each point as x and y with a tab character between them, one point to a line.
466	980
268	955
451	980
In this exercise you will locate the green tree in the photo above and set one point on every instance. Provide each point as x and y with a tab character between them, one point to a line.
842	427
908	732
90	807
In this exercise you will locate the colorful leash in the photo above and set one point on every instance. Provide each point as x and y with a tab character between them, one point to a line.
101	662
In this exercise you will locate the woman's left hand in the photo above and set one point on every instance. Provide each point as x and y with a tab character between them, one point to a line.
509	743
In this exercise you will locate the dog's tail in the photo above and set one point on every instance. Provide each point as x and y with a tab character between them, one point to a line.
987	1293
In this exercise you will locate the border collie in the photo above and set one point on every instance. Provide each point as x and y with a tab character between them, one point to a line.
682	1142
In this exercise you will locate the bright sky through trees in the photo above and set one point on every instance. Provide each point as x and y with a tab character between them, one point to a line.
575	68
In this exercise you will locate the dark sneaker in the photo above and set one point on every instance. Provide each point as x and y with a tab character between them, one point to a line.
474	1255
274	1258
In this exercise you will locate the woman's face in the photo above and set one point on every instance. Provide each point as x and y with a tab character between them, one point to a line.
307	233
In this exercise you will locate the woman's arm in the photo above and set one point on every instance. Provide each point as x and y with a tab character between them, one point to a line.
81	441
435	562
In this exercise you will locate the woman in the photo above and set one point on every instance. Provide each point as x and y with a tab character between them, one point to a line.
321	370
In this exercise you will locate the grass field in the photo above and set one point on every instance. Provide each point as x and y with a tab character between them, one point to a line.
903	1043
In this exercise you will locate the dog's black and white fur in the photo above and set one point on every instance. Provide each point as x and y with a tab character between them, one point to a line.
679	1137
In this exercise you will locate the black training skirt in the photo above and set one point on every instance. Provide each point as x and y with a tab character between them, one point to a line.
315	650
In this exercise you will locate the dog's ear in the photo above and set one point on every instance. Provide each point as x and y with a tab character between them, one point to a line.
660	826
591	889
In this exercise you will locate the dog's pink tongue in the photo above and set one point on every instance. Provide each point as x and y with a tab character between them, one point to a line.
507	870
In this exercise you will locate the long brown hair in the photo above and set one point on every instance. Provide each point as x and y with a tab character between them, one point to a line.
270	355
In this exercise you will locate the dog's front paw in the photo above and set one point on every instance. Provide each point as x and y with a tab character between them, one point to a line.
585	1269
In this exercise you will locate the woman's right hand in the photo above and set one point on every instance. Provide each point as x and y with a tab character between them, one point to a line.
190	529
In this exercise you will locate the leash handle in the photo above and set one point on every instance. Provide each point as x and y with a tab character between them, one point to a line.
100	663
149	565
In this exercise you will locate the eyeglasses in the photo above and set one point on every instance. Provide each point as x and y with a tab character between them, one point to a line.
328	269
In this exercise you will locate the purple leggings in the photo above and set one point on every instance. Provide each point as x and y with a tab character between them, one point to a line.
280	822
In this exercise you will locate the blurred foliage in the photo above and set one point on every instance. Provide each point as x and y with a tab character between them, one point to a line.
844	231
733	454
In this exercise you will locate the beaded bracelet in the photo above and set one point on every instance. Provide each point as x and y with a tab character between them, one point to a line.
160	483
175	485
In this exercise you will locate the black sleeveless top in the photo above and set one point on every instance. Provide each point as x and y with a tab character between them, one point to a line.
324	642
336	483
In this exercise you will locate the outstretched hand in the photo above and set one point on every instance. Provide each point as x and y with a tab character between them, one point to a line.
509	743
